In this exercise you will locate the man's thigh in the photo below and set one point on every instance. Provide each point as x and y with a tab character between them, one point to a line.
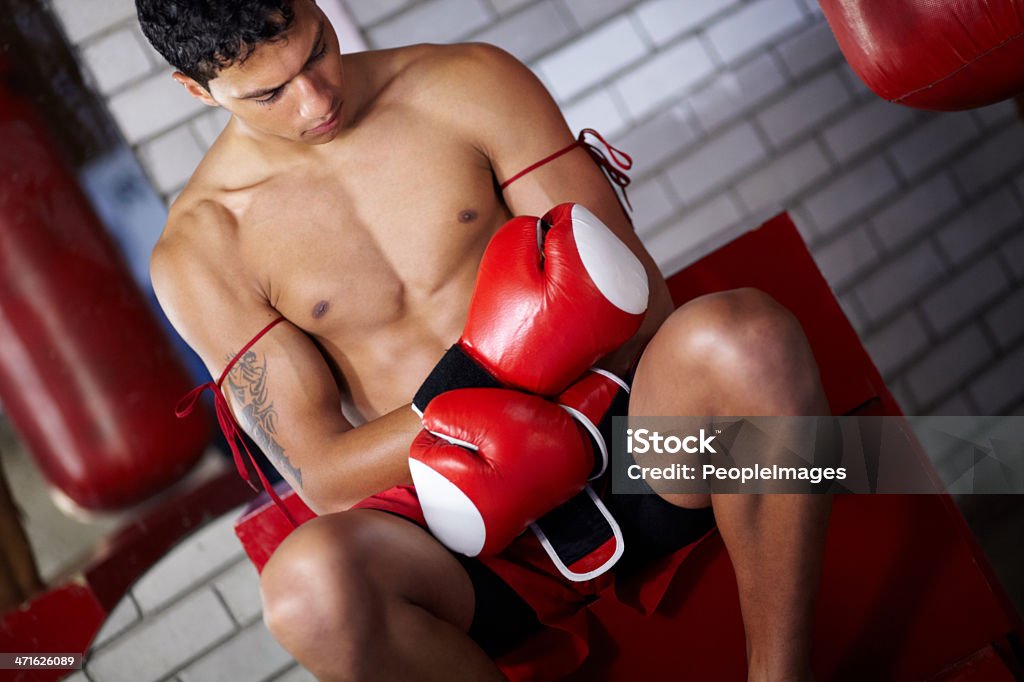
351	550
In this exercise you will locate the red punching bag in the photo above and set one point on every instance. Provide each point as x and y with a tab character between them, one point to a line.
933	54
86	374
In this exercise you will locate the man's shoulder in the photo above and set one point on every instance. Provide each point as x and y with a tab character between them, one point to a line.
194	266
443	74
462	65
198	229
466	85
198	210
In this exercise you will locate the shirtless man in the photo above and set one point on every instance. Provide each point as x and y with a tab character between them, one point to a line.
354	196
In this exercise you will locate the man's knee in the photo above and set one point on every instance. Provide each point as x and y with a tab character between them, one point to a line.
742	334
732	326
316	585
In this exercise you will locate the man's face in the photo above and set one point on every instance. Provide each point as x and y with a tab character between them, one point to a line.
291	87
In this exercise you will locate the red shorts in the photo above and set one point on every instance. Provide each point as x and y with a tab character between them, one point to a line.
541	598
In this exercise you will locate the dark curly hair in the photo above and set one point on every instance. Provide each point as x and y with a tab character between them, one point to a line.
200	37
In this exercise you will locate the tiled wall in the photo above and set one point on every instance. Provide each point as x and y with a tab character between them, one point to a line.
195	617
731	110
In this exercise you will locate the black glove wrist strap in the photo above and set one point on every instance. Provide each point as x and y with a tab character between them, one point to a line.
455	370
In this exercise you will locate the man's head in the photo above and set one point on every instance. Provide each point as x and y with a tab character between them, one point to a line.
274	64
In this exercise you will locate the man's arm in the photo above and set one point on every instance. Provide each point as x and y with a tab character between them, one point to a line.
513	121
281	392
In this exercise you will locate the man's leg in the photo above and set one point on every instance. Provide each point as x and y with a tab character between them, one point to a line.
740	353
363	594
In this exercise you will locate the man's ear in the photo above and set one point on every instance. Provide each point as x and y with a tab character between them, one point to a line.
195	89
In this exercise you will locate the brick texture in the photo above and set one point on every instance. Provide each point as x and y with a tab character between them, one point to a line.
592	58
735	91
852	194
804	108
1006	319
159	646
665	20
722	159
754	26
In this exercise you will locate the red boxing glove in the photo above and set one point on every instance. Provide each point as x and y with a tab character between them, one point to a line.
491	462
552	296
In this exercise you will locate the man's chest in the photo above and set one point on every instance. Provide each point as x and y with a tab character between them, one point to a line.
363	244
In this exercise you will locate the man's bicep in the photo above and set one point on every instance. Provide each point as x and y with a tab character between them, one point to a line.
284	396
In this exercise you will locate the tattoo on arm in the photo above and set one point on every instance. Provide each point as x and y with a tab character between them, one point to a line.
248	384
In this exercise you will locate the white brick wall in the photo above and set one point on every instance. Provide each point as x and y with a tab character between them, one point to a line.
529	33
735	91
808	49
592	58
367	12
599	110
846	257
851	195
752	26
992	393
729	108
897	342
152	106
954	361
210	550
195	616
803	108
992	160
933	142
969	291
252	654
1006	319
864	127
665	20
172	157
124	615
435	21
915	211
722	159
700	225
156	647
661	78
83	19
586	14
239	587
117	58
784	177
981	226
653	203
1013	252
658	139
900	281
